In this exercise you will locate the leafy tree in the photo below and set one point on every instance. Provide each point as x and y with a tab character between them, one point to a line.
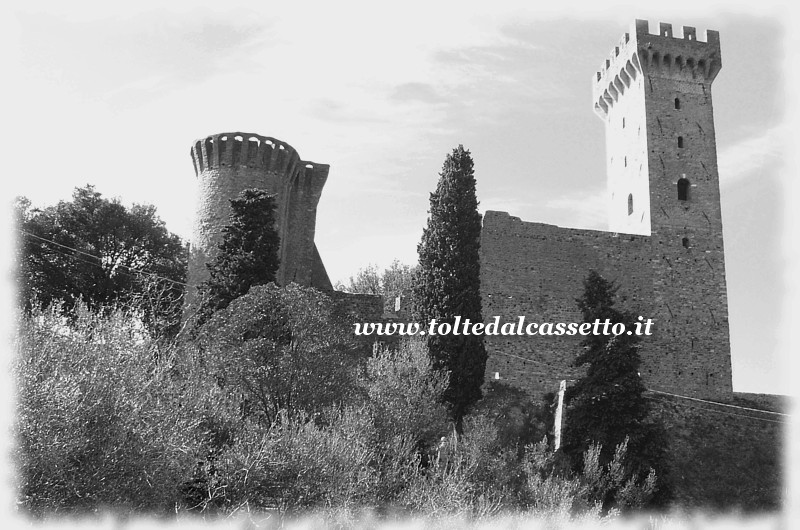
366	281
397	280
98	251
248	253
607	405
283	348
447	283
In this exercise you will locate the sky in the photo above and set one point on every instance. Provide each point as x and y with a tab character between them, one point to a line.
115	97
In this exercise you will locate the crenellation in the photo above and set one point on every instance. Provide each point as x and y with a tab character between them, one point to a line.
662	54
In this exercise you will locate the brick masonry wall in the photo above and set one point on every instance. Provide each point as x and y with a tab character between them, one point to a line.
537	271
721	458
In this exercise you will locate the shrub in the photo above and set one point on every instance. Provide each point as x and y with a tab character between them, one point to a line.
297	464
405	392
515	416
470	476
609	489
99	421
282	348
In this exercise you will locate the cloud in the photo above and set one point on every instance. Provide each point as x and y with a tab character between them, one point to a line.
584	210
751	154
416	92
509	204
127	59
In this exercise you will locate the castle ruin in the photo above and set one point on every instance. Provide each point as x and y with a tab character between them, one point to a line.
665	250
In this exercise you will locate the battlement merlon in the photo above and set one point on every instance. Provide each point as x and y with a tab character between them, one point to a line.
246	149
661	54
263	153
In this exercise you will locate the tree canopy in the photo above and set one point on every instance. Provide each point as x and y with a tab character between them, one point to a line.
96	250
397	280
284	348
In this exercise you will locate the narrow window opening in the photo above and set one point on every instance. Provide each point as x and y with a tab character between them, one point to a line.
685	242
683	189
630	203
625	161
680	142
623	122
677	103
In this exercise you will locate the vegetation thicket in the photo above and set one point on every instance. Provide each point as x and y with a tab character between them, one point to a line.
269	405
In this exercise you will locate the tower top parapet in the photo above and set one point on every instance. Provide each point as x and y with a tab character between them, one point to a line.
250	150
660	53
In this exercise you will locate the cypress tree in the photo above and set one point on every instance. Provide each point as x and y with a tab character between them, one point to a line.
248	253
608	402
448	281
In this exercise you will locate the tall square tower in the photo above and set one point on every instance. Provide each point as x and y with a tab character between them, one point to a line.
654	95
664	249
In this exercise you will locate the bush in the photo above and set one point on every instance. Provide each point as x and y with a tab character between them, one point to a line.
469	476
297	464
282	348
599	489
106	419
99	421
515	416
405	393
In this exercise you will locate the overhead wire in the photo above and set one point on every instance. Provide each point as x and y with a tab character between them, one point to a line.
99	259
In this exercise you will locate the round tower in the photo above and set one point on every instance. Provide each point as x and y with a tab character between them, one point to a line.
227	163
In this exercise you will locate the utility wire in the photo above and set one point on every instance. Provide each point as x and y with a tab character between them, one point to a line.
720	404
535	362
675	395
132	269
652	398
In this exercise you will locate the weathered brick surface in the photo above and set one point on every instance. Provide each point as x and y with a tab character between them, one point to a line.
667	255
226	164
722	458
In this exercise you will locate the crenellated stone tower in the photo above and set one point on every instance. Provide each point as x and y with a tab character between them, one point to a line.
665	250
654	95
227	163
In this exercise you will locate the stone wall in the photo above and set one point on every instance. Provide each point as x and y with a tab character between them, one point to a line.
363	308
537	271
722	458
